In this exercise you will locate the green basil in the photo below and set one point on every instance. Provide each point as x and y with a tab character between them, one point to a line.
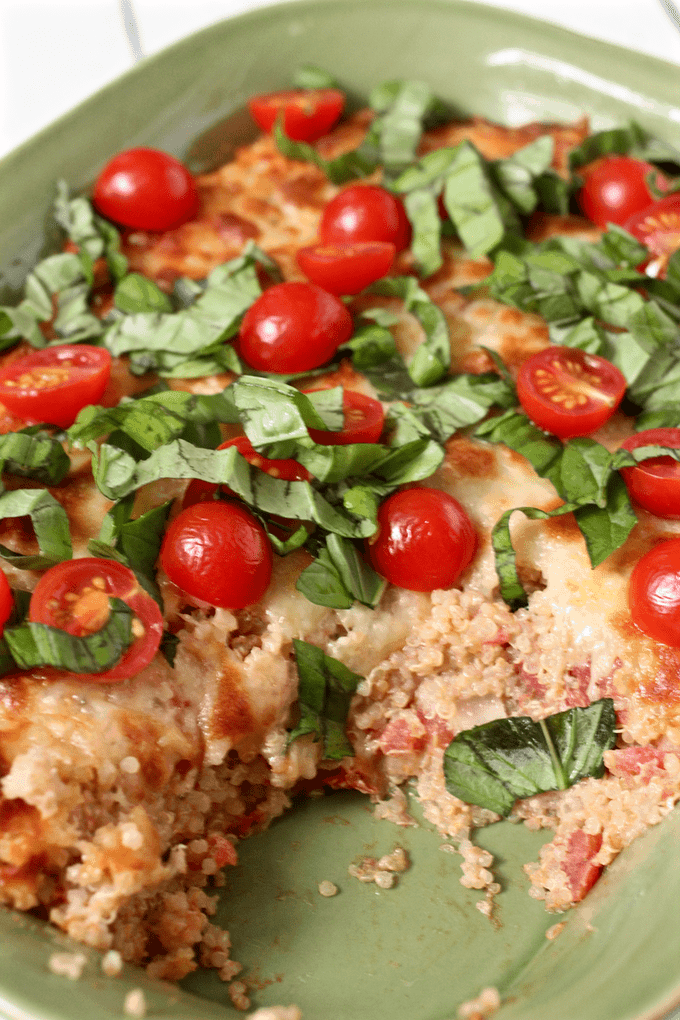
32	453
50	524
325	691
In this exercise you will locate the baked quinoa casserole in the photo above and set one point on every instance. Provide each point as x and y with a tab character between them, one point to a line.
264	434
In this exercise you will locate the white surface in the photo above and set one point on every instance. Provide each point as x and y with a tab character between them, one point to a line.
54	53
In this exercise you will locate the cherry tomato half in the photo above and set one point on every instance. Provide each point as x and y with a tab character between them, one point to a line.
74	596
346	268
364	421
6	601
146	189
655	483
219	553
425	539
307	113
568	392
288	469
365	212
654	592
658	228
53	384
615	188
293	327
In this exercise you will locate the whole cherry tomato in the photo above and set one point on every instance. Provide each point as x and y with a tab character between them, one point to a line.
74	596
288	469
146	189
615	188
658	228
53	384
219	553
346	268
365	212
655	483
6	601
425	539
293	327
654	592
364	421
307	113
568	392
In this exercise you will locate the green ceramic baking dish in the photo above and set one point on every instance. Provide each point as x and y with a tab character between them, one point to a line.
416	951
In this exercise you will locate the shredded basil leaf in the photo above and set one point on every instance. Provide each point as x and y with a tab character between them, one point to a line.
433	357
50	523
32	453
325	691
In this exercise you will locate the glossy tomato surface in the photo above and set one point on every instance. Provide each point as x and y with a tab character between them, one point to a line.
307	114
658	228
146	189
346	268
364	421
293	327
218	553
74	596
615	188
425	539
287	469
655	483
654	593
365	212
567	392
53	384
6	601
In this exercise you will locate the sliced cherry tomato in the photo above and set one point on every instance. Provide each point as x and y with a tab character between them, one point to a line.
74	596
293	327
6	601
365	212
655	483
654	593
364	421
658	228
146	189
615	188
568	392
307	113
288	469
219	553
346	268
52	385
425	539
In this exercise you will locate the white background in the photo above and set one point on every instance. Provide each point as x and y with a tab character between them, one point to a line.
54	53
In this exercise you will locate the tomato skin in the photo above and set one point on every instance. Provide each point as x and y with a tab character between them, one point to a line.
307	113
52	603
365	212
55	383
655	483
146	189
293	327
6	601
567	392
346	268
364	421
615	189
287	469
219	553
654	593
658	227
425	539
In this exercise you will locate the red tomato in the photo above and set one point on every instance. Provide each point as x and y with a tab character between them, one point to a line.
425	539
364	421
615	188
6	601
55	383
346	268
146	189
568	392
74	596
658	228
288	469
219	553
365	212
293	327
307	113
655	483
654	593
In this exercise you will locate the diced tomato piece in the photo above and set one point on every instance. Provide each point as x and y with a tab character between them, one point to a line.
578	866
